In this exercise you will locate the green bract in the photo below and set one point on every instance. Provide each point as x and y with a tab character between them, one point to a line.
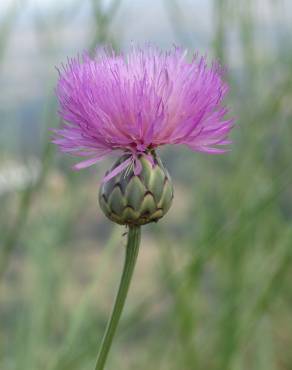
130	199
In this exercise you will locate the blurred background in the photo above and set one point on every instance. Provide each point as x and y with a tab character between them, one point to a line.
212	288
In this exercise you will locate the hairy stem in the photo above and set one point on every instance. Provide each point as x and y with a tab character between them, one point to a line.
132	250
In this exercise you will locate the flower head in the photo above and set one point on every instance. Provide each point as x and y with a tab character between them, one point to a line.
137	102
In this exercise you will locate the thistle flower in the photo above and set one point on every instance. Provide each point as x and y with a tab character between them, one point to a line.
130	105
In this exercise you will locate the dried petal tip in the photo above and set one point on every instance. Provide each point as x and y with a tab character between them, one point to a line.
137	199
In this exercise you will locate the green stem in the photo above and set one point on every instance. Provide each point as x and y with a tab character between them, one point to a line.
132	250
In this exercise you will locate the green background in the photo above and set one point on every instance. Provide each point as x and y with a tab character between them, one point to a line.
212	287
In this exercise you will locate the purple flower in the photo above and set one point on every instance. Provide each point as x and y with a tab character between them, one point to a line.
137	102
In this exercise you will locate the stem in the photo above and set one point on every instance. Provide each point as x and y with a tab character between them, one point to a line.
132	250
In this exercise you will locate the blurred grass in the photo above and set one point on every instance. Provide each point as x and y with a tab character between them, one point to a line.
212	286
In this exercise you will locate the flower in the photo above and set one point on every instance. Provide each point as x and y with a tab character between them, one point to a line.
137	102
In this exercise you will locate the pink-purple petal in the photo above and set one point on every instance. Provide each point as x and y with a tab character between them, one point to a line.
132	103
